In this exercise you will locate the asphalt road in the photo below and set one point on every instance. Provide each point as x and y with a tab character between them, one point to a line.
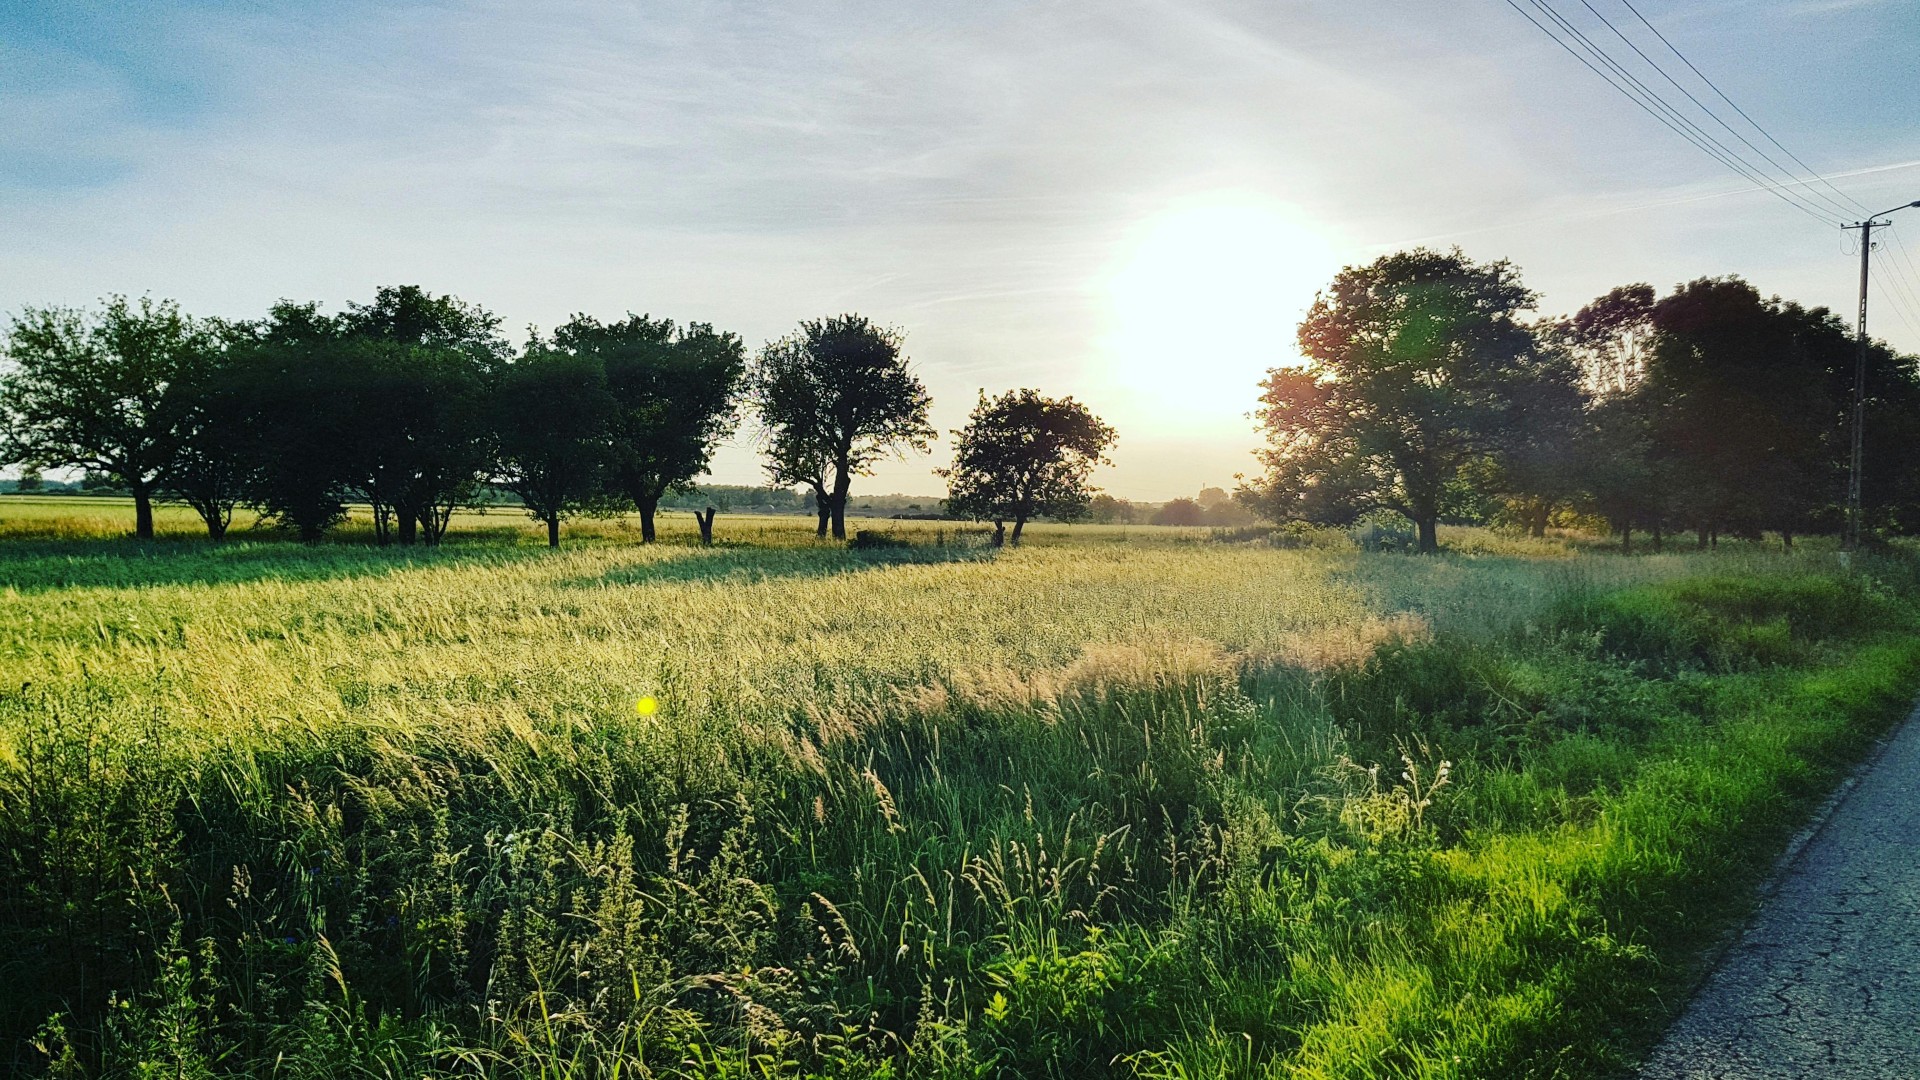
1826	981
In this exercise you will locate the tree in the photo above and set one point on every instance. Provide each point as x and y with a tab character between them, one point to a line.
212	471
833	398
1535	462
409	315
1184	512
791	459
1414	365
675	389
31	480
551	416
296	397
1104	509
95	391
1741	417
1023	456
418	369
1222	509
1612	338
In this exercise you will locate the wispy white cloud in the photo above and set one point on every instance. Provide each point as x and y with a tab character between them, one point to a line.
973	172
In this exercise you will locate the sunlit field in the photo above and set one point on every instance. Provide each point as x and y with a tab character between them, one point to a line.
1124	801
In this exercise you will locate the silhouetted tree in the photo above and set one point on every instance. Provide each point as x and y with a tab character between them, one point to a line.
1536	463
1612	338
1104	509
96	391
837	395
212	470
1180	512
552	415
675	388
31	480
1415	366
1222	509
1023	456
1740	416
296	397
418	368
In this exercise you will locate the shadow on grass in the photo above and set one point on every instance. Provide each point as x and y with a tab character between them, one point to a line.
34	566
747	565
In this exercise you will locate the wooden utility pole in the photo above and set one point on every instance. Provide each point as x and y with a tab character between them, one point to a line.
1850	539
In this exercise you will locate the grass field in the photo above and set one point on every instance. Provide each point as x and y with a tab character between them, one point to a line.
1122	802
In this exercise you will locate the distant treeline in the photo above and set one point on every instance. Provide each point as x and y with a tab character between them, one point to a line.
415	405
1427	393
1713	409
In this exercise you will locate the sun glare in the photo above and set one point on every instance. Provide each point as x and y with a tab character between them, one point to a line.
1205	300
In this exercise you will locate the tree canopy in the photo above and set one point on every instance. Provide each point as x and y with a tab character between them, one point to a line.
674	390
550	423
1022	456
101	391
1417	365
833	398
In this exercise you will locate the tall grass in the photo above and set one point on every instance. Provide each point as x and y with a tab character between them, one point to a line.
1125	802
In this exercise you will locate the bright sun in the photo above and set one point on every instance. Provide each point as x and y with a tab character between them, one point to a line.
1205	300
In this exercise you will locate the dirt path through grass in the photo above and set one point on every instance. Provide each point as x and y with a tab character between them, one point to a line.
1826	981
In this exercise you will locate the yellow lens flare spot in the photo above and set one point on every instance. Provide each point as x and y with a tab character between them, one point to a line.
647	705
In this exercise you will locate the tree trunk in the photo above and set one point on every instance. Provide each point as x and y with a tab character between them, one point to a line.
143	511
1537	516
553	531
409	526
999	534
706	525
842	483
1786	538
1700	541
1429	525
647	508
1019	523
822	508
1659	539
1626	539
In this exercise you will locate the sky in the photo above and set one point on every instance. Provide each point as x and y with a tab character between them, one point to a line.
1130	202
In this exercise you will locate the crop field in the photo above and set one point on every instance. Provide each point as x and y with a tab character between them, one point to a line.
1123	801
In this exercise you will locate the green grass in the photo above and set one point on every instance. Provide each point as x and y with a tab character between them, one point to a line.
1124	802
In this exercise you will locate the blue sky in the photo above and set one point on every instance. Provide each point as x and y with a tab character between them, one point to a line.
1127	201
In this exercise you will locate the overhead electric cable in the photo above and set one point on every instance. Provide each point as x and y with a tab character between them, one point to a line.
1891	298
1906	277
1725	154
1858	206
1829	201
1624	84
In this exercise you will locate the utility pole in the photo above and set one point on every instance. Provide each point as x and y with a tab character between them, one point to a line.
1850	539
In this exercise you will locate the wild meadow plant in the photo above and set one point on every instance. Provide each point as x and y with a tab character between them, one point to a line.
1118	803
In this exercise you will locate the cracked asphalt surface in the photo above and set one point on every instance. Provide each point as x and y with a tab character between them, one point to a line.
1826	980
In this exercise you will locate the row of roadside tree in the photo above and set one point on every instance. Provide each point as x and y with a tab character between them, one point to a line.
416	405
1428	391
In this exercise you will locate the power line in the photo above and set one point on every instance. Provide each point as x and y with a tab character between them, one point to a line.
1713	146
1905	274
1841	208
1858	207
1625	82
1891	298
